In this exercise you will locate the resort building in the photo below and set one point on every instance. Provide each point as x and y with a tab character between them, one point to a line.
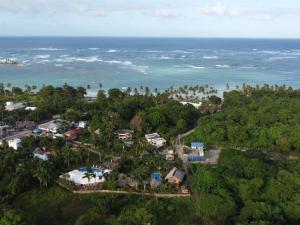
11	106
86	176
41	153
50	127
14	143
124	135
175	176
155	140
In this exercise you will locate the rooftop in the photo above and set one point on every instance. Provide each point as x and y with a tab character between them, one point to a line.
197	144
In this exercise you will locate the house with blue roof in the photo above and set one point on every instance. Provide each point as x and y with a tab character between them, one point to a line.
155	180
198	148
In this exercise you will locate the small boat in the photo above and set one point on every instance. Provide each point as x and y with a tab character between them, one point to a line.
9	61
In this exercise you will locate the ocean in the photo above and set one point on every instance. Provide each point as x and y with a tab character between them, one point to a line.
154	62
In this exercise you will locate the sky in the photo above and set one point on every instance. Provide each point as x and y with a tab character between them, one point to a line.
151	18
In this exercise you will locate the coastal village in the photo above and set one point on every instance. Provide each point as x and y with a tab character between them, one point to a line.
148	157
172	155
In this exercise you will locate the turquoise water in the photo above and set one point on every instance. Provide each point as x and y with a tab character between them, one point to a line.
154	62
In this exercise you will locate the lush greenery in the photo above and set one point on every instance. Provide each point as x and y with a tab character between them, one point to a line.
247	188
264	118
253	187
56	206
24	177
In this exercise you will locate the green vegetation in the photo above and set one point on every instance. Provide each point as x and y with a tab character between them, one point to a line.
264	118
256	186
247	188
56	206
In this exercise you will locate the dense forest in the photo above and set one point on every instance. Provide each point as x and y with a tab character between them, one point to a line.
264	118
247	188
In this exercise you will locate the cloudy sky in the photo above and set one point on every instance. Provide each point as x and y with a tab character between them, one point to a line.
167	18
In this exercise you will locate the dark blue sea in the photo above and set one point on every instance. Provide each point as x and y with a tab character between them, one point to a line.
154	62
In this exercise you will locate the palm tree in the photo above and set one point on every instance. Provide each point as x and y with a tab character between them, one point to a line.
67	155
147	91
42	173
128	91
89	174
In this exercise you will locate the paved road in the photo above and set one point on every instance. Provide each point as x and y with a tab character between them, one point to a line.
158	195
179	149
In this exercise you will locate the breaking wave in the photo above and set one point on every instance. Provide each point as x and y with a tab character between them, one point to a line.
222	66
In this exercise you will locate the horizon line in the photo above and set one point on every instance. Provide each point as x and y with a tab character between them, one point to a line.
149	37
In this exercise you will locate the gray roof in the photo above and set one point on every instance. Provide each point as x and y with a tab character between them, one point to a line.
179	174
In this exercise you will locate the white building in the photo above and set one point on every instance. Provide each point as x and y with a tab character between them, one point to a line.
11	106
155	140
41	153
14	143
78	177
170	155
30	108
149	137
196	105
50	127
198	148
81	124
124	134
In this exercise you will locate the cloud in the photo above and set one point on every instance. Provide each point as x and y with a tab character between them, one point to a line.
166	9
218	9
163	13
221	10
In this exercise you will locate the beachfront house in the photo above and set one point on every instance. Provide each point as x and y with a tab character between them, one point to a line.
50	127
41	153
198	148
155	140
124	135
86	176
11	106
175	176
14	143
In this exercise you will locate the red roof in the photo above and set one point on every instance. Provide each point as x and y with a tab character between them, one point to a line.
72	134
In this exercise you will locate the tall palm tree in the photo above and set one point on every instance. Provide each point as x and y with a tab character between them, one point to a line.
89	174
42	173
